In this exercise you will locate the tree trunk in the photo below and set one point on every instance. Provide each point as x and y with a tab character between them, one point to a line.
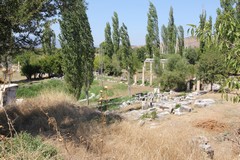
87	96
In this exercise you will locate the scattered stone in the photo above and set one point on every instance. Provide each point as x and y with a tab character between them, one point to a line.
185	108
203	102
141	123
204	146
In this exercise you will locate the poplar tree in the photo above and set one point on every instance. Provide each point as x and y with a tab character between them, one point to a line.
181	39
164	35
48	39
152	37
171	33
108	41
116	32
127	54
202	24
77	46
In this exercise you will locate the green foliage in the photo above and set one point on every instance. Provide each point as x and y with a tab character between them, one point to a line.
172	33
180	40
108	47
116	32
192	55
33	64
140	53
34	89
77	46
152	115
177	106
176	73
25	146
21	24
126	50
211	66
48	39
164	35
152	37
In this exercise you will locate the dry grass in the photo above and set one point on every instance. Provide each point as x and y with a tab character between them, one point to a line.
85	135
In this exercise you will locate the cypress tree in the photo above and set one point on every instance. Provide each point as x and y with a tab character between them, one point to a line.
77	46
171	33
48	39
181	39
116	32
127	54
152	37
108	40
164	35
201	27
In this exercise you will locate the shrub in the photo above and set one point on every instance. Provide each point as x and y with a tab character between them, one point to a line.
25	146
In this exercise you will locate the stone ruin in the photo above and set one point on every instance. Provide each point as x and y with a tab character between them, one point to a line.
166	103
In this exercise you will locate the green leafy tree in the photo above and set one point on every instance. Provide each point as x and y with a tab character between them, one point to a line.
192	55
180	40
21	24
77	46
152	37
172	33
211	67
109	48
116	32
48	39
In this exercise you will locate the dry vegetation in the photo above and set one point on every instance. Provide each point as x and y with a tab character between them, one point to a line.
82	133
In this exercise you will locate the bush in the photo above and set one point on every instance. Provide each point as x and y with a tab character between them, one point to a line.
25	146
33	64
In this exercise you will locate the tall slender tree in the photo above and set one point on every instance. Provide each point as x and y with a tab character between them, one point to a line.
152	37
172	32
202	24
180	40
164	35
77	46
116	32
108	40
127	54
48	39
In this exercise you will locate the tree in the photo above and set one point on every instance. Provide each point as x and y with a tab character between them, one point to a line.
108	41
21	24
172	33
211	67
192	55
48	39
201	27
181	39
77	46
164	35
127	54
116	32
152	37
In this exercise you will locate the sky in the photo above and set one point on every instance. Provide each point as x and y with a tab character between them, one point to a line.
133	13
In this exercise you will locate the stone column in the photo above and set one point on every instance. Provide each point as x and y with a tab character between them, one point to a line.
194	87
143	76
188	86
135	79
151	75
163	65
198	85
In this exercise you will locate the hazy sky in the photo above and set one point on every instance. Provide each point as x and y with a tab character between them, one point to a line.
134	14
